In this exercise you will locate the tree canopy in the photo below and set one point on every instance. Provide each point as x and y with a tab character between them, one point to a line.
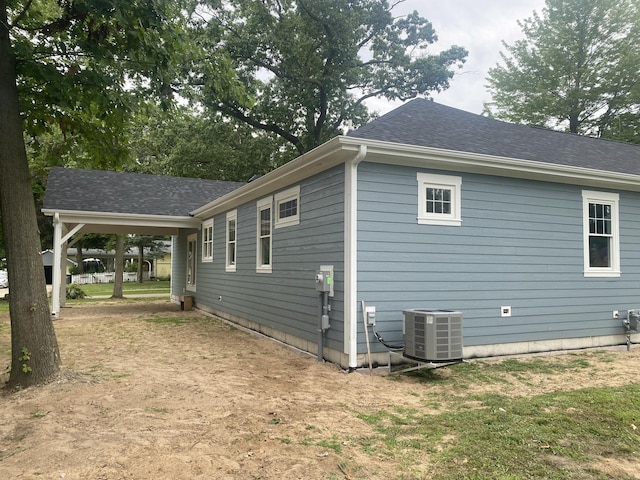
306	67
67	68
576	69
202	145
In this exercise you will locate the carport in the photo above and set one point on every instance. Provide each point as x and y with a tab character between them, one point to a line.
98	201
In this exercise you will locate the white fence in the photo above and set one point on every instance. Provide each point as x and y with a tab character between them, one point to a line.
89	278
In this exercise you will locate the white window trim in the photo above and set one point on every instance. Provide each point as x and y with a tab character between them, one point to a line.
612	199
285	196
260	206
448	182
191	286
207	226
231	267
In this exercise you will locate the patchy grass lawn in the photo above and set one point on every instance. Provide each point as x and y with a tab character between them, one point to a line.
148	391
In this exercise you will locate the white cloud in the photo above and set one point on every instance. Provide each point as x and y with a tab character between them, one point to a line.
479	26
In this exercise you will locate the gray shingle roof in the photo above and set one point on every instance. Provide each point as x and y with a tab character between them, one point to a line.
117	192
425	123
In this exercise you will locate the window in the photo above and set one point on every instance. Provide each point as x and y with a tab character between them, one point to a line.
232	239
207	241
288	207
263	241
191	261
601	237
439	199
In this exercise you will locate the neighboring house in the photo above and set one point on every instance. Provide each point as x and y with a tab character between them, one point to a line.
157	265
534	235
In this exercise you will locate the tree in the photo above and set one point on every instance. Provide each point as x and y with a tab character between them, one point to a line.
66	63
307	67
576	69
118	266
153	246
202	145
35	356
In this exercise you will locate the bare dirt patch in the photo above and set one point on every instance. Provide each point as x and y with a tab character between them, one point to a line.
148	391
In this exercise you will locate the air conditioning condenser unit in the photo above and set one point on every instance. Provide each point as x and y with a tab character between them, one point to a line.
432	335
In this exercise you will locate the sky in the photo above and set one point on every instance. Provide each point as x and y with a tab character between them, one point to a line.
479	26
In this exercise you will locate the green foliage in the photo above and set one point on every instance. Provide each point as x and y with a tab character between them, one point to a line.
306	67
191	144
576	70
73	63
25	357
74	292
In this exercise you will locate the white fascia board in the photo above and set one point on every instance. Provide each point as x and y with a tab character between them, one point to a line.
440	159
334	152
130	219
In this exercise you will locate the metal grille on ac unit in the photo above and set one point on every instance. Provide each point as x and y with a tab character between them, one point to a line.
433	335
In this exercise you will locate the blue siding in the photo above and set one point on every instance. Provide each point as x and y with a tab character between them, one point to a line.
285	299
520	244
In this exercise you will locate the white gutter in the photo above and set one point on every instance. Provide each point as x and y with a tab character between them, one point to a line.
351	255
328	155
133	219
437	158
340	149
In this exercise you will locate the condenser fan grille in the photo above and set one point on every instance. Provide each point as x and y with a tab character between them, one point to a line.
433	335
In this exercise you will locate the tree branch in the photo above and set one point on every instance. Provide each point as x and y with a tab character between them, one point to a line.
235	112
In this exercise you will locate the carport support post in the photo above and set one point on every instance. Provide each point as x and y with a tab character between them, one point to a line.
62	293
57	266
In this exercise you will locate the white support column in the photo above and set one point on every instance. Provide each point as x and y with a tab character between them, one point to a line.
174	261
63	275
57	265
351	256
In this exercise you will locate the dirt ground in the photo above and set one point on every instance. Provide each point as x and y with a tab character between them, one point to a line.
186	396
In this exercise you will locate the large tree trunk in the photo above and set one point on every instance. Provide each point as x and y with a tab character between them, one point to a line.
140	263
79	258
119	267
35	357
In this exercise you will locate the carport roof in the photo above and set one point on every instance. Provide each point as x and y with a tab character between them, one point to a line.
74	189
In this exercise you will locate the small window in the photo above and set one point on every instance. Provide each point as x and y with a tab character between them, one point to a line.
207	241
439	199
287	207
191	261
263	240
232	238
601	237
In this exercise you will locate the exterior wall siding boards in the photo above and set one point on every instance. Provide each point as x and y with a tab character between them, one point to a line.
284	300
520	245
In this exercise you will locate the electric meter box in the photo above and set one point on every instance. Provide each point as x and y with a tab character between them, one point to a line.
324	281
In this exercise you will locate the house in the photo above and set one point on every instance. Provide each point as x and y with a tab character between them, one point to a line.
533	235
156	264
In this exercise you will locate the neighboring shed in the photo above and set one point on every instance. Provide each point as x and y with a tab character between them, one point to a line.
532	234
47	262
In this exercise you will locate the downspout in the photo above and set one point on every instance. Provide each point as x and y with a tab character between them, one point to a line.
351	256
